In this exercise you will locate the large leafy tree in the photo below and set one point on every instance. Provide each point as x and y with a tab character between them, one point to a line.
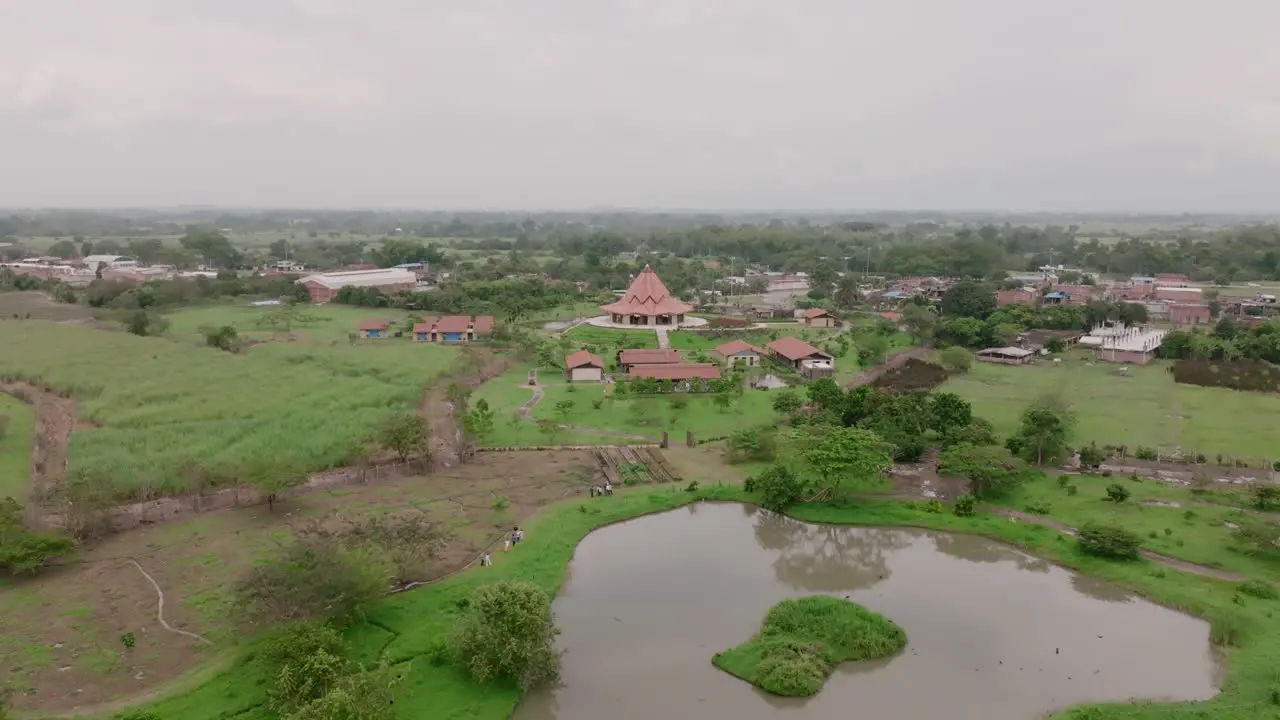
506	631
1042	434
991	470
969	299
832	455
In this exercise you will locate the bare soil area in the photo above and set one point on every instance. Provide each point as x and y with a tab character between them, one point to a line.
61	633
55	419
480	365
35	305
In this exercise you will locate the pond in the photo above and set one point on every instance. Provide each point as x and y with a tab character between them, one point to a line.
993	633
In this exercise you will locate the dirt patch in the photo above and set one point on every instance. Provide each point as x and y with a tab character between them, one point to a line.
913	374
34	305
61	633
893	362
55	419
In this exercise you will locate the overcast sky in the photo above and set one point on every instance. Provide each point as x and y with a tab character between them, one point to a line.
1165	105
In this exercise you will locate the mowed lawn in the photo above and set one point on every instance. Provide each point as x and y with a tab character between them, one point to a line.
1143	407
611	338
162	410
616	417
17	430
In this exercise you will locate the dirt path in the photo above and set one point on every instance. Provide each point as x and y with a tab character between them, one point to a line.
891	362
55	419
476	366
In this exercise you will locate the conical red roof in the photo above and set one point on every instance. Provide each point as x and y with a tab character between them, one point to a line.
647	296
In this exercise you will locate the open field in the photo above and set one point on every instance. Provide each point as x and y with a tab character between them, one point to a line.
1143	407
617	420
1158	512
407	627
39	306
319	324
609	338
161	408
17	432
60	633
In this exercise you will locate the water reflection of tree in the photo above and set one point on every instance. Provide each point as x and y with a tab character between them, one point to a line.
825	558
1099	589
981	550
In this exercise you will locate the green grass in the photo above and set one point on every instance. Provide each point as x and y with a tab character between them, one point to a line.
1144	408
160	406
15	447
321	324
507	392
802	641
419	620
611	338
1204	539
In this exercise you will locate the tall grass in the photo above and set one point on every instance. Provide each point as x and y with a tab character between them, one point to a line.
160	408
802	641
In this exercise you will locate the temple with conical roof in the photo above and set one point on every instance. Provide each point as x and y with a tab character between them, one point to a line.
647	302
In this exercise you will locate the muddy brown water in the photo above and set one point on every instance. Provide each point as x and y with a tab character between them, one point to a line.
993	633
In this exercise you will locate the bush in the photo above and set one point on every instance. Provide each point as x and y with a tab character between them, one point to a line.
1039	508
1228	628
303	661
779	488
991	470
23	551
1064	480
507	632
1259	588
1117	493
965	505
1072	490
1109	542
1266	496
1091	456
956	360
1145	453
933	505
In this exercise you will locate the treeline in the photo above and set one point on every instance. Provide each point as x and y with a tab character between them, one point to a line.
509	300
1227	341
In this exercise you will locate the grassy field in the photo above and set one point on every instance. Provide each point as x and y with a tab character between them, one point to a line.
158	406
611	338
322	324
1144	406
1171	520
17	431
407	627
618	419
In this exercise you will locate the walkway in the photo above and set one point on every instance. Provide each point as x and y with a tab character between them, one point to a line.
664	343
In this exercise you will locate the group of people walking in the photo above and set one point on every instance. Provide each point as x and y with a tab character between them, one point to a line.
517	534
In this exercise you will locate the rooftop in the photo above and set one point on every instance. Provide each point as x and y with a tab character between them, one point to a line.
647	296
362	278
676	371
795	349
1007	352
733	347
582	358
649	357
812	313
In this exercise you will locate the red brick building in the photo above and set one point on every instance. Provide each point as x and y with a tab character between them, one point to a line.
323	287
1190	315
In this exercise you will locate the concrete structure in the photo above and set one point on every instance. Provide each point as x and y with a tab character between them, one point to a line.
802	357
452	328
647	302
96	262
323	287
1193	296
1190	315
675	371
1123	344
1005	355
583	366
627	358
819	318
370	329
1024	296
739	352
1172	280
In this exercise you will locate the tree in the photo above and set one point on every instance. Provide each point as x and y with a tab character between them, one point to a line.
834	453
1055	345
1110	542
956	360
406	434
272	478
479	420
1043	434
1265	496
963	331
978	432
787	402
920	321
991	470
825	394
64	249
213	248
142	323
364	695
1091	456
949	411
779	488
223	338
506	631
722	401
968	299
1117	493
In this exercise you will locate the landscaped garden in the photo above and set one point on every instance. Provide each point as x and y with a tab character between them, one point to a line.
1128	405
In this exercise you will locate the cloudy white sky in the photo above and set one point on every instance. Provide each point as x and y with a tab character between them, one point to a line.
842	104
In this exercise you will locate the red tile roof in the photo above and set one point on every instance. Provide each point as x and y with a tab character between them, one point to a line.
482	324
582	358
649	357
733	347
795	348
647	296
681	371
891	316
812	313
374	324
453	324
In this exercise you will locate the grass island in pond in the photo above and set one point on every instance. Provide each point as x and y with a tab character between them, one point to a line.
803	640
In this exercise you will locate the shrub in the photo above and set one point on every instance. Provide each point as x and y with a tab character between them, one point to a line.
1145	453
779	488
679	401
1064	480
501	503
597	403
933	505
1266	496
303	661
1189	515
315	578
1168	532
991	470
1228	628
965	505
1072	489
1117	493
1091	456
1038	508
1110	542
507	631
1259	588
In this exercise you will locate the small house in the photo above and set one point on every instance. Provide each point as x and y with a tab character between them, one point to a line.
583	366
802	357
819	318
1022	296
374	328
628	358
739	352
452	328
1005	355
